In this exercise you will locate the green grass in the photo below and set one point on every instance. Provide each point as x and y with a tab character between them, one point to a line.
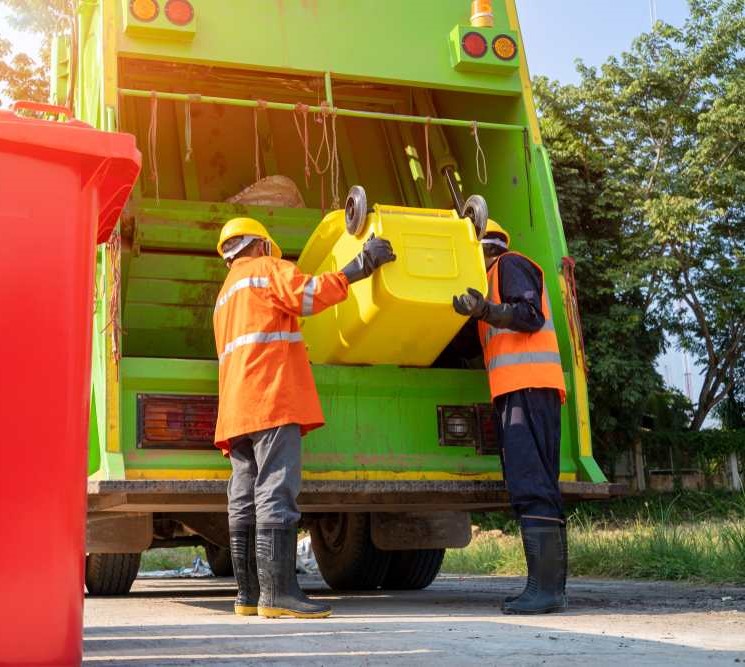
691	536
675	508
170	559
487	554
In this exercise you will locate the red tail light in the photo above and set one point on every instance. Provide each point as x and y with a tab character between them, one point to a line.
176	422
488	441
468	426
474	44
179	12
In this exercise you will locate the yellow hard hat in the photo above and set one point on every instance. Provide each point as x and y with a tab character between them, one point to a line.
493	227
246	227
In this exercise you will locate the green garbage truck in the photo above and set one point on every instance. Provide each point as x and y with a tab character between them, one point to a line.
274	110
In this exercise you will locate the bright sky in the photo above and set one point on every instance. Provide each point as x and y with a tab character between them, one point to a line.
22	41
556	33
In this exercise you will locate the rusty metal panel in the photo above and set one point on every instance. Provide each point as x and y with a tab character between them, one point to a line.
420	530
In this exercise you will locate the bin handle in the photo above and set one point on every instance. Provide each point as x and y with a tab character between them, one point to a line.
53	109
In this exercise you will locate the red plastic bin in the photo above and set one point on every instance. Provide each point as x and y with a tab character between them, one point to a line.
62	187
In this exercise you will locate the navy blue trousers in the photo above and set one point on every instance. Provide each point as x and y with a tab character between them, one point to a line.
528	424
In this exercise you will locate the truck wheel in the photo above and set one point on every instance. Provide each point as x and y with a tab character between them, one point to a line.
219	560
355	209
478	212
347	558
110	574
413	569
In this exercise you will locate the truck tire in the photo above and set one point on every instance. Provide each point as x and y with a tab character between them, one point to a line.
413	569
219	560
346	556
110	574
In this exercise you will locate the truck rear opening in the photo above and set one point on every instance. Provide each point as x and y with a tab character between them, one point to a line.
205	154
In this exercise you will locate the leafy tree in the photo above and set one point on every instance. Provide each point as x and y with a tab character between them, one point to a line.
672	121
731	411
21	75
21	78
622	342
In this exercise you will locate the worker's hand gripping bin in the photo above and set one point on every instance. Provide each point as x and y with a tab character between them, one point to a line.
62	187
404	315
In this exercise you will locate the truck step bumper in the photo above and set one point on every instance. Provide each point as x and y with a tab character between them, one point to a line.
324	496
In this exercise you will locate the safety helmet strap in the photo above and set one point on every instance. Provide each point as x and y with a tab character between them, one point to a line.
244	242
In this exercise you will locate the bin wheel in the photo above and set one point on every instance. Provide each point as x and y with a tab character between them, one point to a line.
477	210
219	560
110	574
413	569
355	209
346	556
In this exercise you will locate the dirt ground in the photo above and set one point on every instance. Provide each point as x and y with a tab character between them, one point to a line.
456	621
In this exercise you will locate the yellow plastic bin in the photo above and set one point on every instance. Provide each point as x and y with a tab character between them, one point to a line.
403	315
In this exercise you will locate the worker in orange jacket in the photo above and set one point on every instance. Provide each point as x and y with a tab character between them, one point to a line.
267	402
521	355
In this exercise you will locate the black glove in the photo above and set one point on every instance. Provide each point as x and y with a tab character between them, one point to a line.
473	304
375	253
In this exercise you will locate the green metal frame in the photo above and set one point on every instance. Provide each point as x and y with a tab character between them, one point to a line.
381	420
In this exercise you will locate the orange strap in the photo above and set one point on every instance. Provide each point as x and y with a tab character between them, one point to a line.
575	323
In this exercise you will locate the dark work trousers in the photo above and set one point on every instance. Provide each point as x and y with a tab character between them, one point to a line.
265	483
528	423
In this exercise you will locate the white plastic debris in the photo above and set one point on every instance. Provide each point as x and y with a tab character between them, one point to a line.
306	559
197	570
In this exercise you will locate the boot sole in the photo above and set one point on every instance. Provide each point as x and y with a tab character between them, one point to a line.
243	610
277	612
533	612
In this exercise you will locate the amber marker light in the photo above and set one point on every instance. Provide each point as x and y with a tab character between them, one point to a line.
504	47
144	10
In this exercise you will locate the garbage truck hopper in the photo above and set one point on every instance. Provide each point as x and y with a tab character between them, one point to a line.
274	110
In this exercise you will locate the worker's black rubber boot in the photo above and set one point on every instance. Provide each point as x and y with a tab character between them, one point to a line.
276	550
563	530
243	555
565	556
546	556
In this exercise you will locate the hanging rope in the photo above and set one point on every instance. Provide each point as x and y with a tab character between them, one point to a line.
426	152
335	201
262	106
187	126
331	162
480	157
257	165
575	323
324	141
303	135
152	137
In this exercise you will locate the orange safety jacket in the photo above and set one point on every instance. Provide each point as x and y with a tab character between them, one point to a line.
518	360
264	373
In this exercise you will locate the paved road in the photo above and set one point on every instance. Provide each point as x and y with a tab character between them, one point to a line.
454	622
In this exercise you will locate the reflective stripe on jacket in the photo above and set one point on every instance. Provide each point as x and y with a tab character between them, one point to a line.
516	360
264	373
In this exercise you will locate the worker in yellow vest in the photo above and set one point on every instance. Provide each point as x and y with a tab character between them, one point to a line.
521	355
